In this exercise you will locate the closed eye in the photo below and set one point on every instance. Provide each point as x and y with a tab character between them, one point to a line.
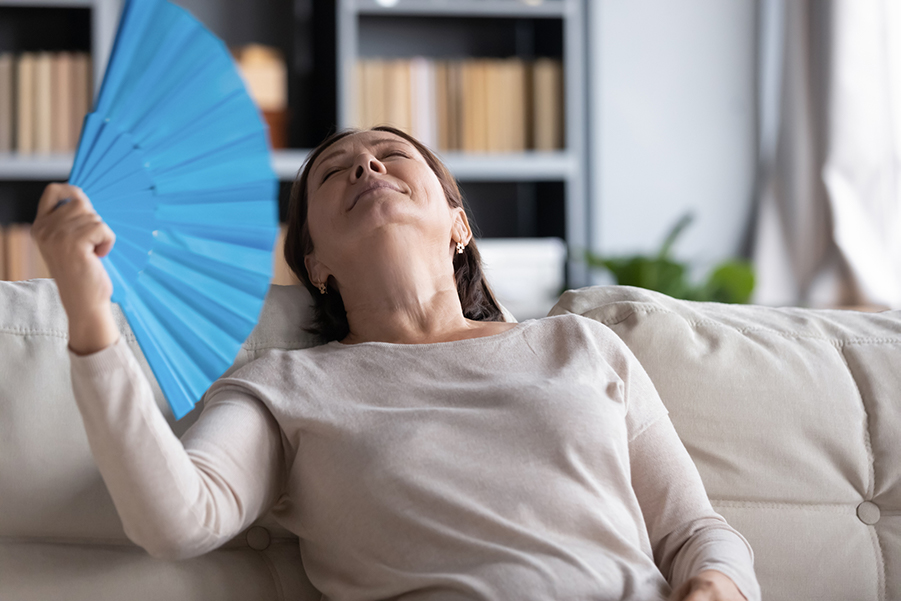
330	173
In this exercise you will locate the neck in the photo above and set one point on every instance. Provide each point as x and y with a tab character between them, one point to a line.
401	292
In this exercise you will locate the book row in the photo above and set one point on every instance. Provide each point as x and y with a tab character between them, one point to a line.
44	97
20	258
472	105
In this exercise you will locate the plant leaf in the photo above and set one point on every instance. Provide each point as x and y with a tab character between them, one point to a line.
731	282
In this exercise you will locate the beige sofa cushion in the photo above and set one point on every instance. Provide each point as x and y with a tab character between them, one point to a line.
60	535
793	418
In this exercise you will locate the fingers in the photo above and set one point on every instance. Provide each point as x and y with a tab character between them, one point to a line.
66	232
54	193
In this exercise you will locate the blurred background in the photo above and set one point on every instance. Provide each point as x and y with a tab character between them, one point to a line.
742	151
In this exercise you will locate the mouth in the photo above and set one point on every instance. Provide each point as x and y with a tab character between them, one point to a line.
370	187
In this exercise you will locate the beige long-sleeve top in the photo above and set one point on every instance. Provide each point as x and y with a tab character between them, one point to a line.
538	463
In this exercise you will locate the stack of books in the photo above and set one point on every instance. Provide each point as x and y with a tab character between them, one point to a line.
265	74
20	258
473	105
44	97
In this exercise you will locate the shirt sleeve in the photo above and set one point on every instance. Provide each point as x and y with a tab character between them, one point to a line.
687	536
176	498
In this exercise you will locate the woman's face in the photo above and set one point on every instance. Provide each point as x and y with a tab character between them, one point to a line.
370	182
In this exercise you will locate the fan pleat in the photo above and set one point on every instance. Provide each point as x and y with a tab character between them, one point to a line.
203	134
120	286
252	212
250	236
251	282
163	73
175	158
248	259
120	177
141	23
101	138
256	189
185	103
205	294
223	167
131	233
130	258
190	328
175	371
204	155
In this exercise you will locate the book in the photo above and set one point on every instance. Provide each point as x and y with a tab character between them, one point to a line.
398	107
547	98
454	103
266	76
38	264
375	86
7	102
16	252
82	96
423	103
43	110
61	103
25	103
517	121
474	105
494	106
441	106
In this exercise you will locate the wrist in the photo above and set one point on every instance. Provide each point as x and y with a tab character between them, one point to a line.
92	331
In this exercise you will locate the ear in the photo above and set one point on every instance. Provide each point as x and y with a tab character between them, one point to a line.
317	270
460	230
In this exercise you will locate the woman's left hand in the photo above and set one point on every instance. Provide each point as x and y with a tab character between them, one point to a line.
709	585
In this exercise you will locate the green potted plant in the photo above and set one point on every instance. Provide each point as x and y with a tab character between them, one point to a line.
730	281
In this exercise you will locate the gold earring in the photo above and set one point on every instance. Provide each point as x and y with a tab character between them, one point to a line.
322	288
460	247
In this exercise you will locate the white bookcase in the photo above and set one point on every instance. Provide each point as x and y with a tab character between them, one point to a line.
551	185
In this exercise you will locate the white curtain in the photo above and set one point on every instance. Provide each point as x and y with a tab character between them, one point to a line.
828	229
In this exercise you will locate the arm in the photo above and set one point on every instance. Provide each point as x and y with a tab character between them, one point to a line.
176	498
692	544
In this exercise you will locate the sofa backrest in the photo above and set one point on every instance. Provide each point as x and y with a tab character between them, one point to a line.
60	535
793	418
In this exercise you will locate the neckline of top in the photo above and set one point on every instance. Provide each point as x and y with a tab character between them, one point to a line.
417	345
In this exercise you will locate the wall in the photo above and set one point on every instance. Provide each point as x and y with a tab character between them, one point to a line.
672	114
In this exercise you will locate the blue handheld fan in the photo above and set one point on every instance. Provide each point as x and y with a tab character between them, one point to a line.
175	159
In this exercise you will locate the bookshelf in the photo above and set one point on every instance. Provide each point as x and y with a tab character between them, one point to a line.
522	194
532	193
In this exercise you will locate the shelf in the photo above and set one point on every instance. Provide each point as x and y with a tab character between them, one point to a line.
51	167
531	166
464	8
286	163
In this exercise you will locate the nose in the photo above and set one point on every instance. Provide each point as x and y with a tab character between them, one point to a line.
366	162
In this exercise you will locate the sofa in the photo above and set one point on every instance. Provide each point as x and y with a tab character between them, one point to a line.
793	417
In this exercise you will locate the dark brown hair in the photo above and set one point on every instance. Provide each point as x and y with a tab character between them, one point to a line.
330	320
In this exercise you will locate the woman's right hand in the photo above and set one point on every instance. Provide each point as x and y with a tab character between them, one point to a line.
72	238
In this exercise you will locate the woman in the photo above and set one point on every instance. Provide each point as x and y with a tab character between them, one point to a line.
427	450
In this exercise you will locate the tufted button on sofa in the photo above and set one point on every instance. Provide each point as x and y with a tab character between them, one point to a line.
792	416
